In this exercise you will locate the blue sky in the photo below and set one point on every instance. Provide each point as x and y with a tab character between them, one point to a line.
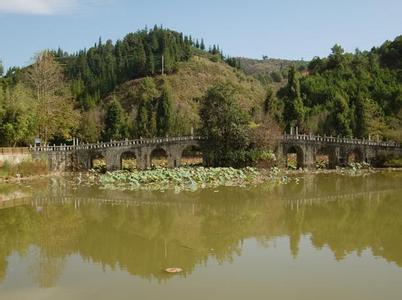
277	28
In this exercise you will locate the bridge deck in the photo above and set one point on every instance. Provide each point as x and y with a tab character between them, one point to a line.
153	141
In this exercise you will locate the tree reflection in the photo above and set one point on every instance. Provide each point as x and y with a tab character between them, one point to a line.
146	232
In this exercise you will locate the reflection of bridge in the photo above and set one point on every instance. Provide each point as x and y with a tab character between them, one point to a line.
77	201
305	146
367	196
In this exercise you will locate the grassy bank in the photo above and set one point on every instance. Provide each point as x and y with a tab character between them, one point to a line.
26	168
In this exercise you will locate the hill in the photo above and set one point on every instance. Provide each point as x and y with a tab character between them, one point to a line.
117	90
189	83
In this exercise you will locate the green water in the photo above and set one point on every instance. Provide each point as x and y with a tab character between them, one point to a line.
326	237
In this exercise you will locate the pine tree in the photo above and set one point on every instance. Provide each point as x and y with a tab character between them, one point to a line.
142	121
202	45
294	107
360	117
150	63
164	111
114	121
140	60
268	100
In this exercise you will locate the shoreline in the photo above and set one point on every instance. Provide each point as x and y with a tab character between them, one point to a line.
254	177
32	177
66	174
287	172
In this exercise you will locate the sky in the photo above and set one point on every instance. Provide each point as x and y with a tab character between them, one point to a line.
288	29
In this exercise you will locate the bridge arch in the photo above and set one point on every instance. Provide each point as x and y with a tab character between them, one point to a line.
128	160
191	155
325	157
97	160
159	157
355	155
294	156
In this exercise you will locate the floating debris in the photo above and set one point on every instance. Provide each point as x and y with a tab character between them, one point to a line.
173	270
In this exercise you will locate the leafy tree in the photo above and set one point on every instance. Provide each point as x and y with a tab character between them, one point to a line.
17	121
1	68
336	58
225	125
55	116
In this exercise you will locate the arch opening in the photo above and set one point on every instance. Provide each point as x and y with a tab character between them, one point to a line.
159	158
192	156
294	158
355	156
97	162
128	161
322	159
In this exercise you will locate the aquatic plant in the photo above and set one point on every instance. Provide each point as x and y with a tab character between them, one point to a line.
184	178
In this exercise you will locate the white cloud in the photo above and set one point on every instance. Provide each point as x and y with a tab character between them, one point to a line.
37	7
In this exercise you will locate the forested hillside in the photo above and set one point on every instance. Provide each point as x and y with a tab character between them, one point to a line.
117	91
346	94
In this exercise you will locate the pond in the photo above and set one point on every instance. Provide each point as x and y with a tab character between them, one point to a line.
326	236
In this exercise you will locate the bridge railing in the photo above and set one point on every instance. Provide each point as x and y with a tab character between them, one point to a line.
338	140
125	143
161	140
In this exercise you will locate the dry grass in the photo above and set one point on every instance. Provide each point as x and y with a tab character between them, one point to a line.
192	80
23	169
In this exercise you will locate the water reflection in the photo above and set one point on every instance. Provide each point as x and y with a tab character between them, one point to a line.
145	232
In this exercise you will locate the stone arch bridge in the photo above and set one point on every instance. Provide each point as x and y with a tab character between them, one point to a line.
337	149
80	157
306	147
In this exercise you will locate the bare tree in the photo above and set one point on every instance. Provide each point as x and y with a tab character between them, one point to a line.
55	110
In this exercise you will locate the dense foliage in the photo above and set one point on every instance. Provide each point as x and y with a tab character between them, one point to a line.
129	89
98	70
66	95
39	105
348	94
224	124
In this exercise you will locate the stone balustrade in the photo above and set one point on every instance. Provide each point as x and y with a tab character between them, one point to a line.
115	144
338	140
